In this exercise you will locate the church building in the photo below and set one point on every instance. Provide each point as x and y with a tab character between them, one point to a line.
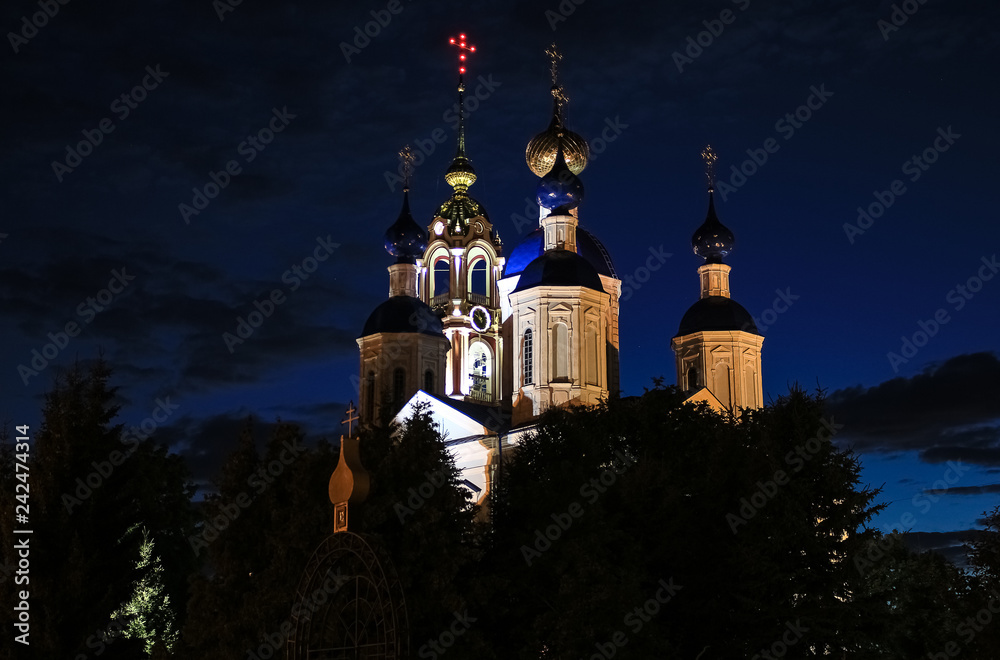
488	343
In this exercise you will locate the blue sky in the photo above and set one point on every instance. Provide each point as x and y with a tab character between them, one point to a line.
172	98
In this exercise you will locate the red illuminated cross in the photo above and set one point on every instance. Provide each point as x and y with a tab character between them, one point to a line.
463	45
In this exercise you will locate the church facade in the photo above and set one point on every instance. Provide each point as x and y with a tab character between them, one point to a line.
488	343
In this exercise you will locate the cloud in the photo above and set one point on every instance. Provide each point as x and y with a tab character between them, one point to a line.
950	412
953	545
965	490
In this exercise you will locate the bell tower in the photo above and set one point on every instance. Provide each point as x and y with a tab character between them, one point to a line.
459	272
718	346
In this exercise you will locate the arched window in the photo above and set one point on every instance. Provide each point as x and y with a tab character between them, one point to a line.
429	381
442	277
369	403
480	371
527	369
692	378
560	349
398	388
477	278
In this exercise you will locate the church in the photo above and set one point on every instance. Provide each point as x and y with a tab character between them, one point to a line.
488	341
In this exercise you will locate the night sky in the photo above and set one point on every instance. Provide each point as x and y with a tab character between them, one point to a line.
289	117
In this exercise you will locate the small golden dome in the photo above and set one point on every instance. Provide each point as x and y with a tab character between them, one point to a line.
541	152
460	175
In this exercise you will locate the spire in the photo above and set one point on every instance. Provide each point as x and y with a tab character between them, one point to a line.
405	239
542	150
713	241
461	175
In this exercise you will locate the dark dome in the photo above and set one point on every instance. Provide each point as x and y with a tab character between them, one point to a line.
559	268
560	188
405	239
716	313
533	245
403	314
713	241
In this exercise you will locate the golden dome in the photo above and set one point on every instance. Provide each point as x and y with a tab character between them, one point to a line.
541	152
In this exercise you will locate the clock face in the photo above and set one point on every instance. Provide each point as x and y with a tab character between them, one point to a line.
481	320
479	227
439	228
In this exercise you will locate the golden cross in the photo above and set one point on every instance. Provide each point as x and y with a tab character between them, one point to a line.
710	157
407	158
351	418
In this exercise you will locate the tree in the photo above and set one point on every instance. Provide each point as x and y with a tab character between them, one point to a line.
90	484
913	602
652	528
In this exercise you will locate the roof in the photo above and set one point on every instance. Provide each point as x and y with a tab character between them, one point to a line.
716	313
587	246
403	314
559	268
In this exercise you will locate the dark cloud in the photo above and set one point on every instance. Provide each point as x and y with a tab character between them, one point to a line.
952	545
965	490
951	411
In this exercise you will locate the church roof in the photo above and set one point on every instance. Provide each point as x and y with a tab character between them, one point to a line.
403	314
716	313
587	246
559	268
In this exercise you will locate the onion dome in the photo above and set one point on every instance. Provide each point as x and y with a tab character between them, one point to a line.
403	314
559	268
542	149
405	239
713	241
533	246
560	188
716	313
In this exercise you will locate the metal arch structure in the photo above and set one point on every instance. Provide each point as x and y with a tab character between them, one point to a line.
349	605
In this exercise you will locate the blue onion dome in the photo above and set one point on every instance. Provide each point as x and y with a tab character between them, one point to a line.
713	241
559	268
405	239
533	246
560	188
403	314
